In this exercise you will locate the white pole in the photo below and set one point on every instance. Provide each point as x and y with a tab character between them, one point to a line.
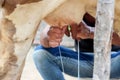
102	39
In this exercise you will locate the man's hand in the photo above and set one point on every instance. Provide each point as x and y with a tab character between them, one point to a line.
115	39
84	31
55	35
81	31
71	30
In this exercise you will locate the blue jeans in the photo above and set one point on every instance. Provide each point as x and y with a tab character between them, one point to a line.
48	63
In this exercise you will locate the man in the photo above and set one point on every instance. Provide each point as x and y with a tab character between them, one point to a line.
47	56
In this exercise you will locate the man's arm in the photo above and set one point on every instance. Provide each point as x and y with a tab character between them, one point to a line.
87	32
52	36
115	39
44	37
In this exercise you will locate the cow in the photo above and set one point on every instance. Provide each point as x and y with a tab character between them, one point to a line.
13	49
19	20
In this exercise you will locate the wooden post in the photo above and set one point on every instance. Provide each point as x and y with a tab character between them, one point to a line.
102	39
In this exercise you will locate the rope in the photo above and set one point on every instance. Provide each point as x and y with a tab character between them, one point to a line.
78	60
61	60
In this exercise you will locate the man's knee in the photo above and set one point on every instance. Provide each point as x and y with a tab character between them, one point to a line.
39	56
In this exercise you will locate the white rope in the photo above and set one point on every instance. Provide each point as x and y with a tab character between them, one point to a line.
61	60
78	60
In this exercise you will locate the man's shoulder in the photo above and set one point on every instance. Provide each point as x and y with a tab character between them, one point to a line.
115	48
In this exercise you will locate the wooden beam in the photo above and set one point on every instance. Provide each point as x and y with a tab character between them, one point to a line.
102	39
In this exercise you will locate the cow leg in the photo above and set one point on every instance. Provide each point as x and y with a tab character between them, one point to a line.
7	57
12	52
